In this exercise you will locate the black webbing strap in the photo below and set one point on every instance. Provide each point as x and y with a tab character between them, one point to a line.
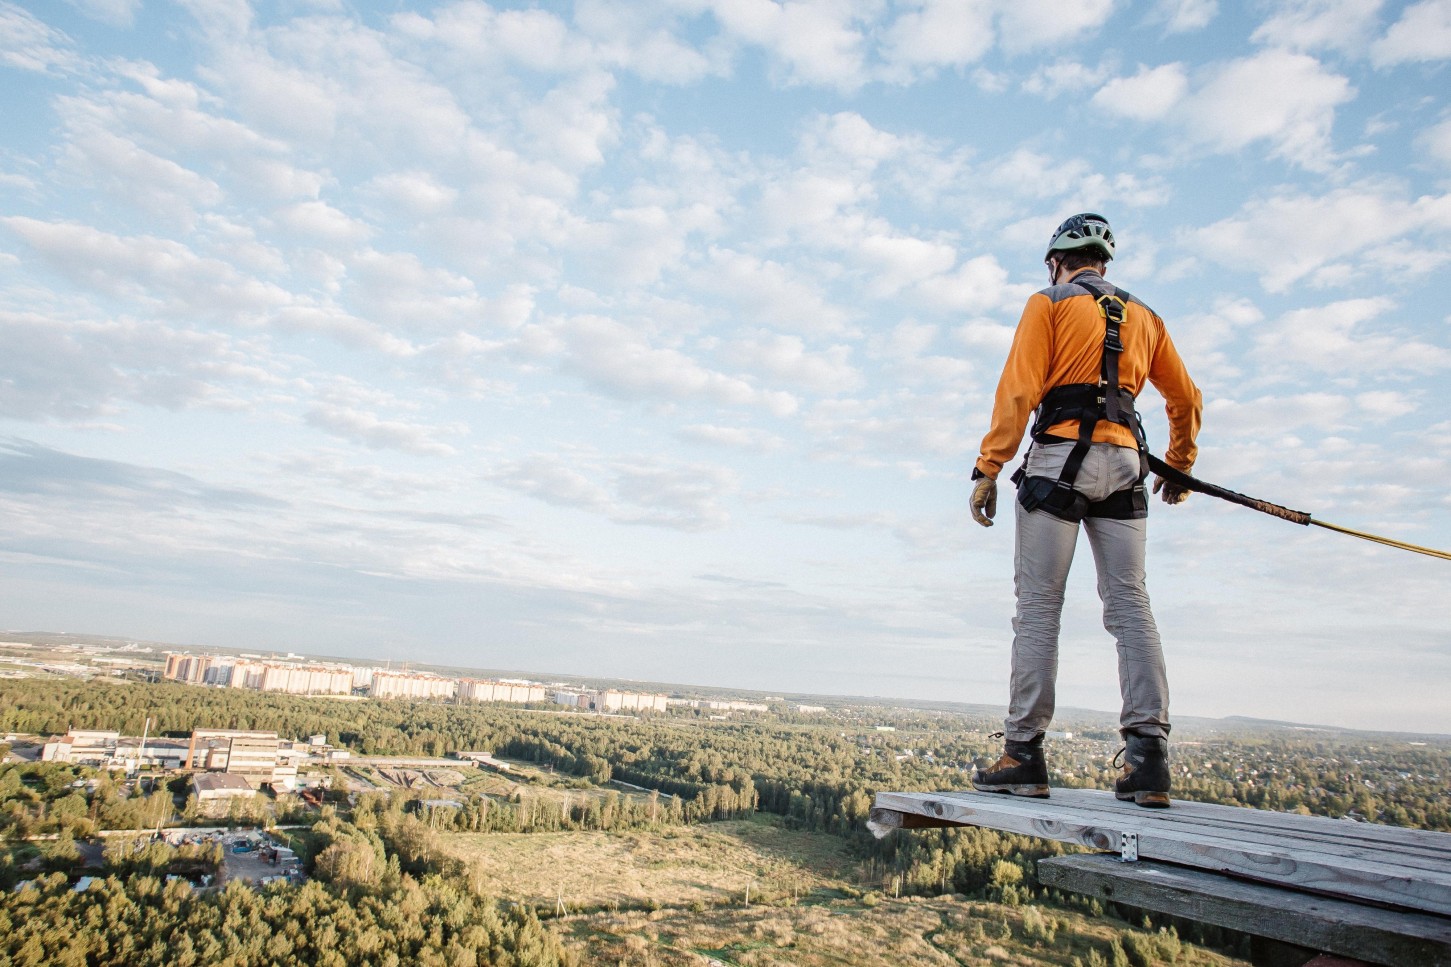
1111	306
1088	403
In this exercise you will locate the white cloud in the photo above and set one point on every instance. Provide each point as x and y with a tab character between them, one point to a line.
1436	141
1423	33
764	291
786	359
348	409
1332	339
1288	237
1320	25
136	177
1063	77
939	33
978	285
1029	24
1285	98
627	490
622	362
371	431
634	38
418	193
734	437
152	271
117	13
896	262
1148	95
62	369
1182	16
813	43
319	221
30	44
575	123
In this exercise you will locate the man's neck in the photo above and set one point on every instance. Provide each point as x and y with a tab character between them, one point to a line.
1068	275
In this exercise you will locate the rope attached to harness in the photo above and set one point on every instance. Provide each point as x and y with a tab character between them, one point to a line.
1275	510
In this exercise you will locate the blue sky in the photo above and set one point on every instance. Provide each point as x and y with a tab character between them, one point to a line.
657	339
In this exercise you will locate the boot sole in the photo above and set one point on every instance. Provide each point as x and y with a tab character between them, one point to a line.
1146	798
1027	791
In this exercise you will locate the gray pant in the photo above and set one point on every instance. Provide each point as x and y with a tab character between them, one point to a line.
1044	552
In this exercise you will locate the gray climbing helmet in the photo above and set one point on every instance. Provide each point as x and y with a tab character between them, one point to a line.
1085	231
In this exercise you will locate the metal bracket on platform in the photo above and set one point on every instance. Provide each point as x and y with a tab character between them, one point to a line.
1128	847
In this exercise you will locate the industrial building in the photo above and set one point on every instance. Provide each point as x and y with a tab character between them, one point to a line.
255	757
211	786
86	747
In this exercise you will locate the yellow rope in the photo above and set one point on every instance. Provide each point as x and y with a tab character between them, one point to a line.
1388	542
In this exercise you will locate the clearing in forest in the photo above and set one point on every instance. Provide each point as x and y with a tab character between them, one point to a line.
677	866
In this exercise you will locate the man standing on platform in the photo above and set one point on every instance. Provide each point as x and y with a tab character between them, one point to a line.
1082	352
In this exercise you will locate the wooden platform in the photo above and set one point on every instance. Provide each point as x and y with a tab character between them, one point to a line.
1404	874
1372	934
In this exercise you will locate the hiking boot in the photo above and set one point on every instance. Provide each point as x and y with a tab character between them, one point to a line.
1020	771
1145	776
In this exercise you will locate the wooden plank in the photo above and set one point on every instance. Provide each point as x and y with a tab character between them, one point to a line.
1285	863
1161	838
893	819
1413	840
1320	923
1328	835
1327	839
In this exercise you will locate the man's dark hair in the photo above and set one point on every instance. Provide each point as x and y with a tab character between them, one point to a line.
1073	261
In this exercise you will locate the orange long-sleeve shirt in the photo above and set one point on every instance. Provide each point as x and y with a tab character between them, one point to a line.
1059	340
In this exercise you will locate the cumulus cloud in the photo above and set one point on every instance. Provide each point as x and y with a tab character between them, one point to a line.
1146	96
1030	24
645	40
1063	77
28	43
362	426
1285	98
939	33
811	43
1335	338
117	13
626	490
1182	16
622	362
30	468
734	437
151	271
58	369
134	176
769	292
1286	238
1423	33
787	360
1436	141
1320	25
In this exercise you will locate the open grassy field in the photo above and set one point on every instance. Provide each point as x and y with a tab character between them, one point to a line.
911	932
678	898
709	864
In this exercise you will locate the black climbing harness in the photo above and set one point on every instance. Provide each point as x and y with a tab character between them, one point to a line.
1088	403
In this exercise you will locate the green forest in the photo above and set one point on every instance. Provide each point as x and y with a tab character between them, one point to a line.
385	887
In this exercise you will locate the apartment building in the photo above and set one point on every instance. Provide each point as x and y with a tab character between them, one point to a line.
492	690
411	685
295	678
